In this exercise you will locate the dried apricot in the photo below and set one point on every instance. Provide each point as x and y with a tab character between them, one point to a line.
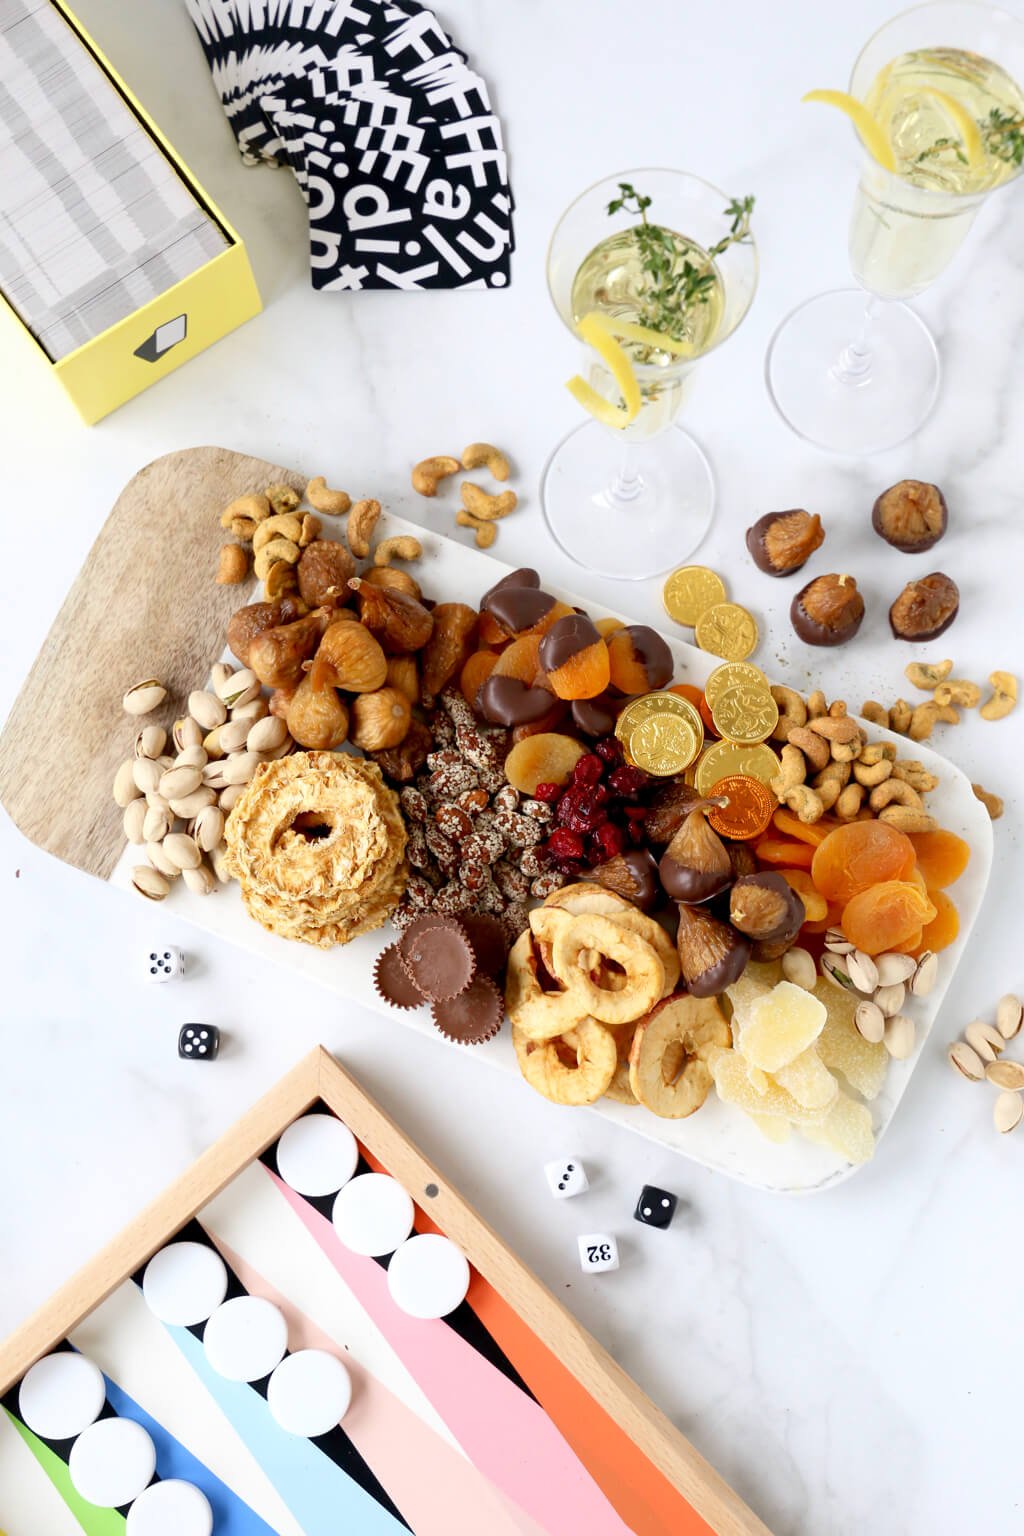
775	850
575	658
546	759
860	855
942	857
521	659
815	905
605	627
915	877
833	919
944	926
711	730
475	673
688	691
813	832
491	632
640	659
886	916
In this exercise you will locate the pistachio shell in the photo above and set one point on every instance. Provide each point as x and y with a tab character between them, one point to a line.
206	709
142	698
240	767
156	825
267	735
134	817
208	830
191	757
147	773
181	850
150	741
200	880
232	735
125	788
150	882
178	782
254	709
187	733
191	805
240	688
159	860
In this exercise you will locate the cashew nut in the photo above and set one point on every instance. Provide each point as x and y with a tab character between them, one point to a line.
277	549
814	747
283	525
232	565
850	801
874	772
926	716
830	783
322	499
1004	696
895	792
837	709
875	712
792	711
991	802
255	508
428	472
311	529
927	675
816	705
900	716
361	522
794	772
964	694
487	508
905	819
280	578
405	547
282	498
914	773
486	533
478	454
805	802
841	731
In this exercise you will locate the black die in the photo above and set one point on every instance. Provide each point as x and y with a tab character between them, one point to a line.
198	1042
656	1207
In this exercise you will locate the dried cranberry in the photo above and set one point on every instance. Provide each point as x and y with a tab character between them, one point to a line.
548	792
588	770
588	812
571	867
563	844
609	750
635	812
636	832
606	842
627	780
566	806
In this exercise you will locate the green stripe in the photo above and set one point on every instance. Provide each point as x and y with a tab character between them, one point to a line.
93	1520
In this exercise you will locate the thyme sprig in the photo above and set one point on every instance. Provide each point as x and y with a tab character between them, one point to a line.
1004	136
675	287
938	147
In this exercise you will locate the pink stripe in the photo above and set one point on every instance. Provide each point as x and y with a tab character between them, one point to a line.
508	1435
438	1491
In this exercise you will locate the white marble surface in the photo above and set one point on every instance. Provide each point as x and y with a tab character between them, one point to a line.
841	1359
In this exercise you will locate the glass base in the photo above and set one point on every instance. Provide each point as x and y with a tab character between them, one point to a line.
627	510
852	400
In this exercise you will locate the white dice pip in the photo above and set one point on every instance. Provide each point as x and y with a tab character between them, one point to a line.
164	962
566	1177
598	1252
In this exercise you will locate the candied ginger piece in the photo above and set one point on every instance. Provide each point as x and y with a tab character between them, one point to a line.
809	1081
846	1129
729	1071
780	1025
773	1127
755	982
843	1048
759	1080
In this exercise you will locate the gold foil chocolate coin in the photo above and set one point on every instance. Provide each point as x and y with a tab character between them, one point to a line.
690	590
727	630
746	714
730	676
661	703
663	744
728	757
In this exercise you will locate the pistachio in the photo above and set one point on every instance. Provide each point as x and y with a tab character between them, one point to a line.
125	788
206	709
240	688
143	698
158	803
190	805
208	829
156	825
212	744
890	999
147	773
255	709
862	971
178	782
219	674
923	979
1007	1112
837	943
219	863
200	880
150	882
134	816
1006	1074
966	1061
833	968
894	968
191	757
229	796
267	735
281	751
899	1036
150	741
984	1039
870	1022
232	735
159	860
213	774
181	850
240	767
1008	1015
187	733
798	967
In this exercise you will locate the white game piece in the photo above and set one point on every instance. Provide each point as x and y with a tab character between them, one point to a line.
309	1393
373	1214
428	1276
598	1252
184	1283
61	1395
111	1462
317	1155
164	962
246	1338
566	1177
170	1508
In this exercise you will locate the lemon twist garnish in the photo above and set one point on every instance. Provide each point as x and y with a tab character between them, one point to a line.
966	127
873	135
643	335
596	335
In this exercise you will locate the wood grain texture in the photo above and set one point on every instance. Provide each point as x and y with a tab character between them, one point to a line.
319	1077
144	604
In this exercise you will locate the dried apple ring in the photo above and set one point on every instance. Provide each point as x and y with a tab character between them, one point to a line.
583	1078
669	1060
618	946
584	897
538	1015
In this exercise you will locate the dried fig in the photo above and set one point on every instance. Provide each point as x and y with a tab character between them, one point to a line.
632	875
765	907
742	858
712	955
399	622
349	657
447	650
381	719
256	619
401	764
911	516
925	608
317	719
669	808
324	569
277	655
781	542
828	611
696	864
392	576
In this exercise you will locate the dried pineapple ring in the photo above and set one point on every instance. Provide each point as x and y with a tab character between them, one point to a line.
582	898
639	959
616	360
668	1060
538	1015
564	1083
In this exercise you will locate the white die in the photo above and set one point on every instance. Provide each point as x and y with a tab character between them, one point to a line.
598	1252
566	1177
164	962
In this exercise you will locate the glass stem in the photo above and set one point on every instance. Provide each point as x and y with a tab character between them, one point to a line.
853	365
628	483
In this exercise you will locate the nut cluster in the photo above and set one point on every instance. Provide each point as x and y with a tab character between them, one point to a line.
480	510
978	1056
175	802
828	765
884	983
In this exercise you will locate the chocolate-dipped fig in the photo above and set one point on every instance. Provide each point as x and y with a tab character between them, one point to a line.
743	859
765	907
911	516
925	608
669	808
712	955
781	542
633	875
509	702
828	611
596	716
696	864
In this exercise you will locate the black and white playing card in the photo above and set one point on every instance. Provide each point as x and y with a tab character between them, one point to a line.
389	132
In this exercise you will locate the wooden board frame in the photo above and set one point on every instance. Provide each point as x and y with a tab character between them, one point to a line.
319	1078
